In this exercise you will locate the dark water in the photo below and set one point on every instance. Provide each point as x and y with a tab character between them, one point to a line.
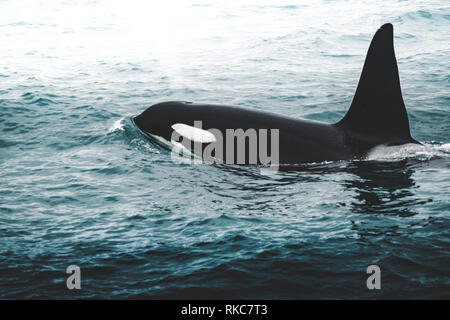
80	185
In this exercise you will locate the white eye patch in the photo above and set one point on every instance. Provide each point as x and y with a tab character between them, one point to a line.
193	133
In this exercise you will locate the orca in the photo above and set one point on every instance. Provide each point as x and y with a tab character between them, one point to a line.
377	116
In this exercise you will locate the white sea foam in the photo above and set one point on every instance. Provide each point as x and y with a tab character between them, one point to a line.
445	147
117	125
409	150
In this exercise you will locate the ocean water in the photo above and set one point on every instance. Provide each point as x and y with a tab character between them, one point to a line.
79	183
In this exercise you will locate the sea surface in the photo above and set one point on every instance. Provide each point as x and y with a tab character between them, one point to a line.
80	184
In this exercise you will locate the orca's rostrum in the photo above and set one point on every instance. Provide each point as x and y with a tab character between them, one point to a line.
377	116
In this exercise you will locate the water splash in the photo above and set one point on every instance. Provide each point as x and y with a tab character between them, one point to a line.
117	125
410	150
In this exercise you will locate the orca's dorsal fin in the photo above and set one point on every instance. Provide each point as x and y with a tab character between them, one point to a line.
377	111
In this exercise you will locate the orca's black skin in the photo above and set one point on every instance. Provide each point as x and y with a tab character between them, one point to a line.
377	115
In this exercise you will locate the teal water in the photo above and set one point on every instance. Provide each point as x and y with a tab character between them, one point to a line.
79	184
